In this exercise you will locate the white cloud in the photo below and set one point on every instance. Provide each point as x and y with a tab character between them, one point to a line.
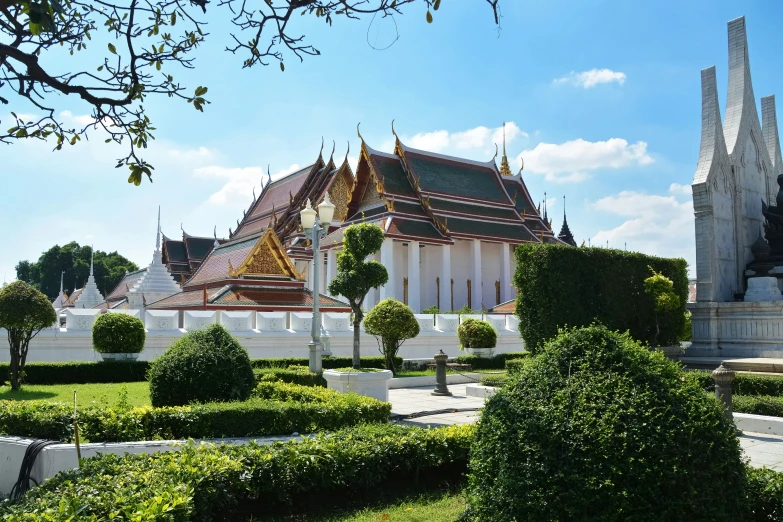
84	120
238	189
680	190
591	78
479	139
571	161
658	225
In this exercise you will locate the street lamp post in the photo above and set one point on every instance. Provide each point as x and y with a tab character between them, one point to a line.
315	228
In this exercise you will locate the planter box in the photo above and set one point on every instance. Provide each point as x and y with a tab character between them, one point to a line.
369	384
119	356
485	353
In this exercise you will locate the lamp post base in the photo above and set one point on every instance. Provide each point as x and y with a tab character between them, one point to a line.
316	354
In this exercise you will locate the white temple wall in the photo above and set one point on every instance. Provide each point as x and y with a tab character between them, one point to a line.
62	345
400	269
490	273
430	270
461	271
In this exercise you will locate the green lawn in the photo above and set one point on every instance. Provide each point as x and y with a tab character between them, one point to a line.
442	506
138	393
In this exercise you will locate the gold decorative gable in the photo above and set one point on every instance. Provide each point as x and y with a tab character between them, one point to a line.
267	258
340	195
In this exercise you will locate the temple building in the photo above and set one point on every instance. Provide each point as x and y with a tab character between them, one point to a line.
565	234
183	257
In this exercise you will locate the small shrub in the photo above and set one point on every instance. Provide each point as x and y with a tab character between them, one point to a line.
392	323
118	333
474	333
496	362
599	428
515	365
203	366
431	310
465	310
293	374
204	482
765	494
687	327
494	380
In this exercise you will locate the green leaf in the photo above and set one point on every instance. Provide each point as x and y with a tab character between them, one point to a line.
201	91
436	5
112	49
282	66
429	17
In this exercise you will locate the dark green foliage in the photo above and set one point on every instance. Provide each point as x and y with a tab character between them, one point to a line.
598	428
765	494
562	286
203	366
231	482
355	276
293	374
496	362
475	333
758	405
687	328
74	260
392	323
24	312
118	333
743	383
515	365
136	371
275	409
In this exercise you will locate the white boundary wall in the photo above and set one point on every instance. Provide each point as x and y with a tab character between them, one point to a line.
276	334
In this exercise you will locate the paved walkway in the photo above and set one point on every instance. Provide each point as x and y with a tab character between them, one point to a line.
418	407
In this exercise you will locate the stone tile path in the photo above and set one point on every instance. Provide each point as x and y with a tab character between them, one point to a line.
416	406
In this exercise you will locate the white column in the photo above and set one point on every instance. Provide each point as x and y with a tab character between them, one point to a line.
505	273
414	280
331	266
387	260
445	278
476	291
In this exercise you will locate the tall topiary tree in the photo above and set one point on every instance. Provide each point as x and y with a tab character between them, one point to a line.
661	289
24	311
355	276
392	323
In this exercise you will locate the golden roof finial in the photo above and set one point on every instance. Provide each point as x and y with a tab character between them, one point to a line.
505	169
359	133
393	132
496	153
230	268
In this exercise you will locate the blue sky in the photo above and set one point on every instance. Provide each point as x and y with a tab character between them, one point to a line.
604	99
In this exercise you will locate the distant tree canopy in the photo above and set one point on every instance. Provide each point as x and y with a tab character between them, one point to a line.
74	260
137	51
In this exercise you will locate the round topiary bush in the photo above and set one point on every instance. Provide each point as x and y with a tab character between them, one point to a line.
599	428
392	323
203	366
474	333
118	333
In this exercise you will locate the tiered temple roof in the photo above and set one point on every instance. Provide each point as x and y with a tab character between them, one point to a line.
249	272
90	296
117	299
565	234
183	257
433	198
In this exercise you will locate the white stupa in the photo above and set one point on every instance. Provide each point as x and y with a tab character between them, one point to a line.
59	303
90	297
156	284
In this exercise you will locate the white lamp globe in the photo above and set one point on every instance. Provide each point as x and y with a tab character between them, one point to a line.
326	210
308	216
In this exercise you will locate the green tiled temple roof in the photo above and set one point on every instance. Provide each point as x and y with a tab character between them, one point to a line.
394	179
199	247
475	210
175	251
484	228
445	176
409	208
408	227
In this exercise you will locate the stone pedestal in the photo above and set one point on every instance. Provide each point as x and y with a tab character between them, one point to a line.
373	384
763	289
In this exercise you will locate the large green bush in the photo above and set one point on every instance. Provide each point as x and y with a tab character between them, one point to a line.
118	333
474	333
599	428
561	286
203	366
275	409
392	323
241	482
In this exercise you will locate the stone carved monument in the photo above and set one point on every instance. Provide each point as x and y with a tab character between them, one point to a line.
736	176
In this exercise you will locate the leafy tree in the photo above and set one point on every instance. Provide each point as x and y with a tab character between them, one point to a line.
661	289
24	312
392	323
74	260
355	276
136	48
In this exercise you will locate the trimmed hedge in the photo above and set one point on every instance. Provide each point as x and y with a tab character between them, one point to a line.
293	374
275	409
765	494
497	362
563	286
515	365
743	383
763	405
136	371
232	482
494	380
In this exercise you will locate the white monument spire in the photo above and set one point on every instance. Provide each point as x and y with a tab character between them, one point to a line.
769	129
90	296
59	303
157	240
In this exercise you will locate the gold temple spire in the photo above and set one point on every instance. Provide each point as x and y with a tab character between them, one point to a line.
505	169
